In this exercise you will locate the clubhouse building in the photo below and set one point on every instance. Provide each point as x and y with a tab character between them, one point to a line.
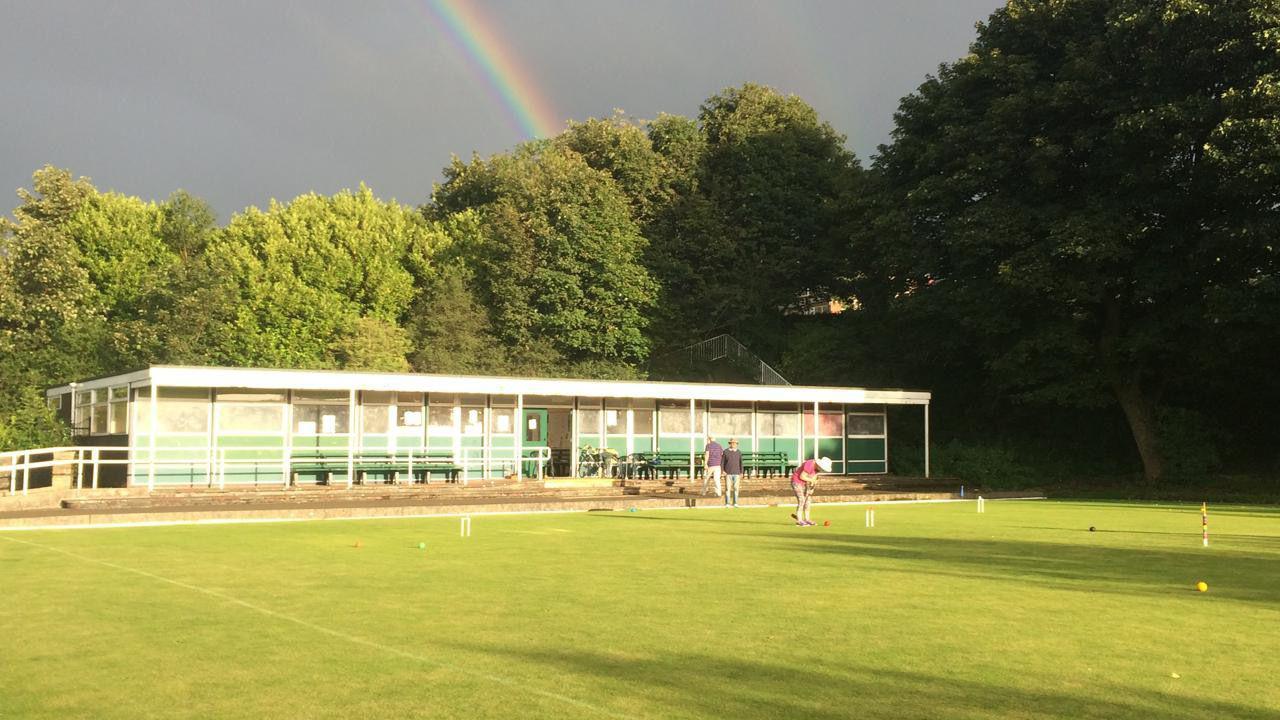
218	426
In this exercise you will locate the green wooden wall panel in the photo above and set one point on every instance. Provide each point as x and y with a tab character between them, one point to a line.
864	466
830	447
673	444
860	449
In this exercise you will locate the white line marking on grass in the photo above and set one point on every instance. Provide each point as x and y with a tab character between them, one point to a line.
355	639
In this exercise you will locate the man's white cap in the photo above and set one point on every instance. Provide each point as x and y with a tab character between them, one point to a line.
824	463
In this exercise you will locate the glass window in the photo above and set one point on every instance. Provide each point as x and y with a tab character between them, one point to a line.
441	417
375	418
119	420
674	418
503	401
615	422
409	416
99	419
250	417
472	421
250	396
643	422
830	423
181	410
545	401
533	428
409	399
320	419
502	421
142	410
54	403
730	424
779	424
120	392
84	398
866	425
321	412
588	422
370	397
329	397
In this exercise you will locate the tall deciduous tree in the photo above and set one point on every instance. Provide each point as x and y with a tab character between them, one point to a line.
559	262
1093	192
623	149
83	280
317	282
752	230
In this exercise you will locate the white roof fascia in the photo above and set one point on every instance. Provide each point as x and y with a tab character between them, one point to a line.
273	379
138	376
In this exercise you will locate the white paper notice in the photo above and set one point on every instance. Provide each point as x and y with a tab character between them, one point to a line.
329	424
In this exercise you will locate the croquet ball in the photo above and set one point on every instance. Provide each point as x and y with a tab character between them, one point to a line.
631	509
1092	528
1202	586
826	523
422	546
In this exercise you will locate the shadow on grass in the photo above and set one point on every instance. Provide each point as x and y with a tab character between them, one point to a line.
1253	577
689	683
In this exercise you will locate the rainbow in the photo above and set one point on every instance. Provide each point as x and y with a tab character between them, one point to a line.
530	110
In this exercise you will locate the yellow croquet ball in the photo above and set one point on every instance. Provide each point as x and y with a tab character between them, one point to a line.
1202	586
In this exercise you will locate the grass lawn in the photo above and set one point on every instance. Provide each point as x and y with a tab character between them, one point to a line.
938	612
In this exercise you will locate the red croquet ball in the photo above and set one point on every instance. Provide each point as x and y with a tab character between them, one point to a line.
826	523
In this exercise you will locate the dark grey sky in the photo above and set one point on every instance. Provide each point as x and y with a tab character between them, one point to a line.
239	102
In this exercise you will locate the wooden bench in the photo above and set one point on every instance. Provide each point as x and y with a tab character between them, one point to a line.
765	463
667	464
672	464
326	462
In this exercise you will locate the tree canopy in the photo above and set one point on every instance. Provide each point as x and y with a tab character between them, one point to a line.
1092	193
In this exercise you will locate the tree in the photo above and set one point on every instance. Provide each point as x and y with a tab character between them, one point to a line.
621	148
752	230
86	284
1092	193
310	284
187	224
558	260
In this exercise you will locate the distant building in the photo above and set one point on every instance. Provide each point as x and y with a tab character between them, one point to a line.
811	303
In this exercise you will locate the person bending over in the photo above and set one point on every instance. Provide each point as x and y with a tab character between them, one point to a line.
803	481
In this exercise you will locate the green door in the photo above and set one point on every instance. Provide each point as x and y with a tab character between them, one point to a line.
534	428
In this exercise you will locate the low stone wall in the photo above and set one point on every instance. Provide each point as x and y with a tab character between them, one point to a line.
459	506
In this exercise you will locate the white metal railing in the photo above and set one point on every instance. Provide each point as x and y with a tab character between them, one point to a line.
16	466
488	458
18	463
727	346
